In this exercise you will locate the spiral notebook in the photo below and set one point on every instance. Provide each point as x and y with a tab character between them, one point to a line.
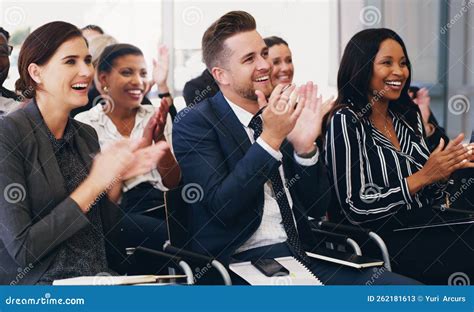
299	274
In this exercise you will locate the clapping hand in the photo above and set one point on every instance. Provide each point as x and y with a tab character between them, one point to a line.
444	161
280	114
309	124
423	101
160	68
155	127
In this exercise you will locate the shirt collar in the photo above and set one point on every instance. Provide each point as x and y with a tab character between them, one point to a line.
244	116
99	115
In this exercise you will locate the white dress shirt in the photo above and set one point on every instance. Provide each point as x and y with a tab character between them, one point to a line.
108	133
271	230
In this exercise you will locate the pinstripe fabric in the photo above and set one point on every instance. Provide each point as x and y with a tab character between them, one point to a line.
369	174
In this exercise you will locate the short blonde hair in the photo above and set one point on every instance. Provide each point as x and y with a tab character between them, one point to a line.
97	46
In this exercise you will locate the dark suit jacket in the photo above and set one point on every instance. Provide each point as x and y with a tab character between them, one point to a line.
200	88
36	213
215	153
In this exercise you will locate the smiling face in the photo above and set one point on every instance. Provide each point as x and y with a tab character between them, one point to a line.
247	67
280	56
127	81
67	75
390	71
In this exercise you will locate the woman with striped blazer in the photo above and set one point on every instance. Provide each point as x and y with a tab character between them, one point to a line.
383	173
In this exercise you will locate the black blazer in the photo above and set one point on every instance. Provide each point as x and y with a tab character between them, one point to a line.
36	213
219	163
200	88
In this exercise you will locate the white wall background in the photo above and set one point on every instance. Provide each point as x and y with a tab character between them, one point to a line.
304	24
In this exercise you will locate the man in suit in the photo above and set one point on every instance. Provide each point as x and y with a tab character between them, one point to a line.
256	169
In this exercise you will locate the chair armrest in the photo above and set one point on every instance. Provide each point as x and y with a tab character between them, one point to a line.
334	237
344	228
360	232
338	239
200	259
175	260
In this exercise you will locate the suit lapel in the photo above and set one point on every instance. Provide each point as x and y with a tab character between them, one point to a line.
228	123
46	156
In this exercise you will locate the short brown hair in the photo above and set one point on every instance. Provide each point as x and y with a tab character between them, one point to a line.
38	48
228	25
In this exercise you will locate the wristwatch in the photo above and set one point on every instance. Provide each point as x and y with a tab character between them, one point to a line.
162	95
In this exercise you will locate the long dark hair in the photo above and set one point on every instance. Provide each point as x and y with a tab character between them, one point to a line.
356	70
38	48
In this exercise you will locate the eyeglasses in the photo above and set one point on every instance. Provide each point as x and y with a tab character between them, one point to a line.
6	50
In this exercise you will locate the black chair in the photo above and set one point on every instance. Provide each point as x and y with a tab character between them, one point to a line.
336	223
180	237
373	244
144	255
357	235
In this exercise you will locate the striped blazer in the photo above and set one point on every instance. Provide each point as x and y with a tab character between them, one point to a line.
369	174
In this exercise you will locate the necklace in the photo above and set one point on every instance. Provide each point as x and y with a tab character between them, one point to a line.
385	127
